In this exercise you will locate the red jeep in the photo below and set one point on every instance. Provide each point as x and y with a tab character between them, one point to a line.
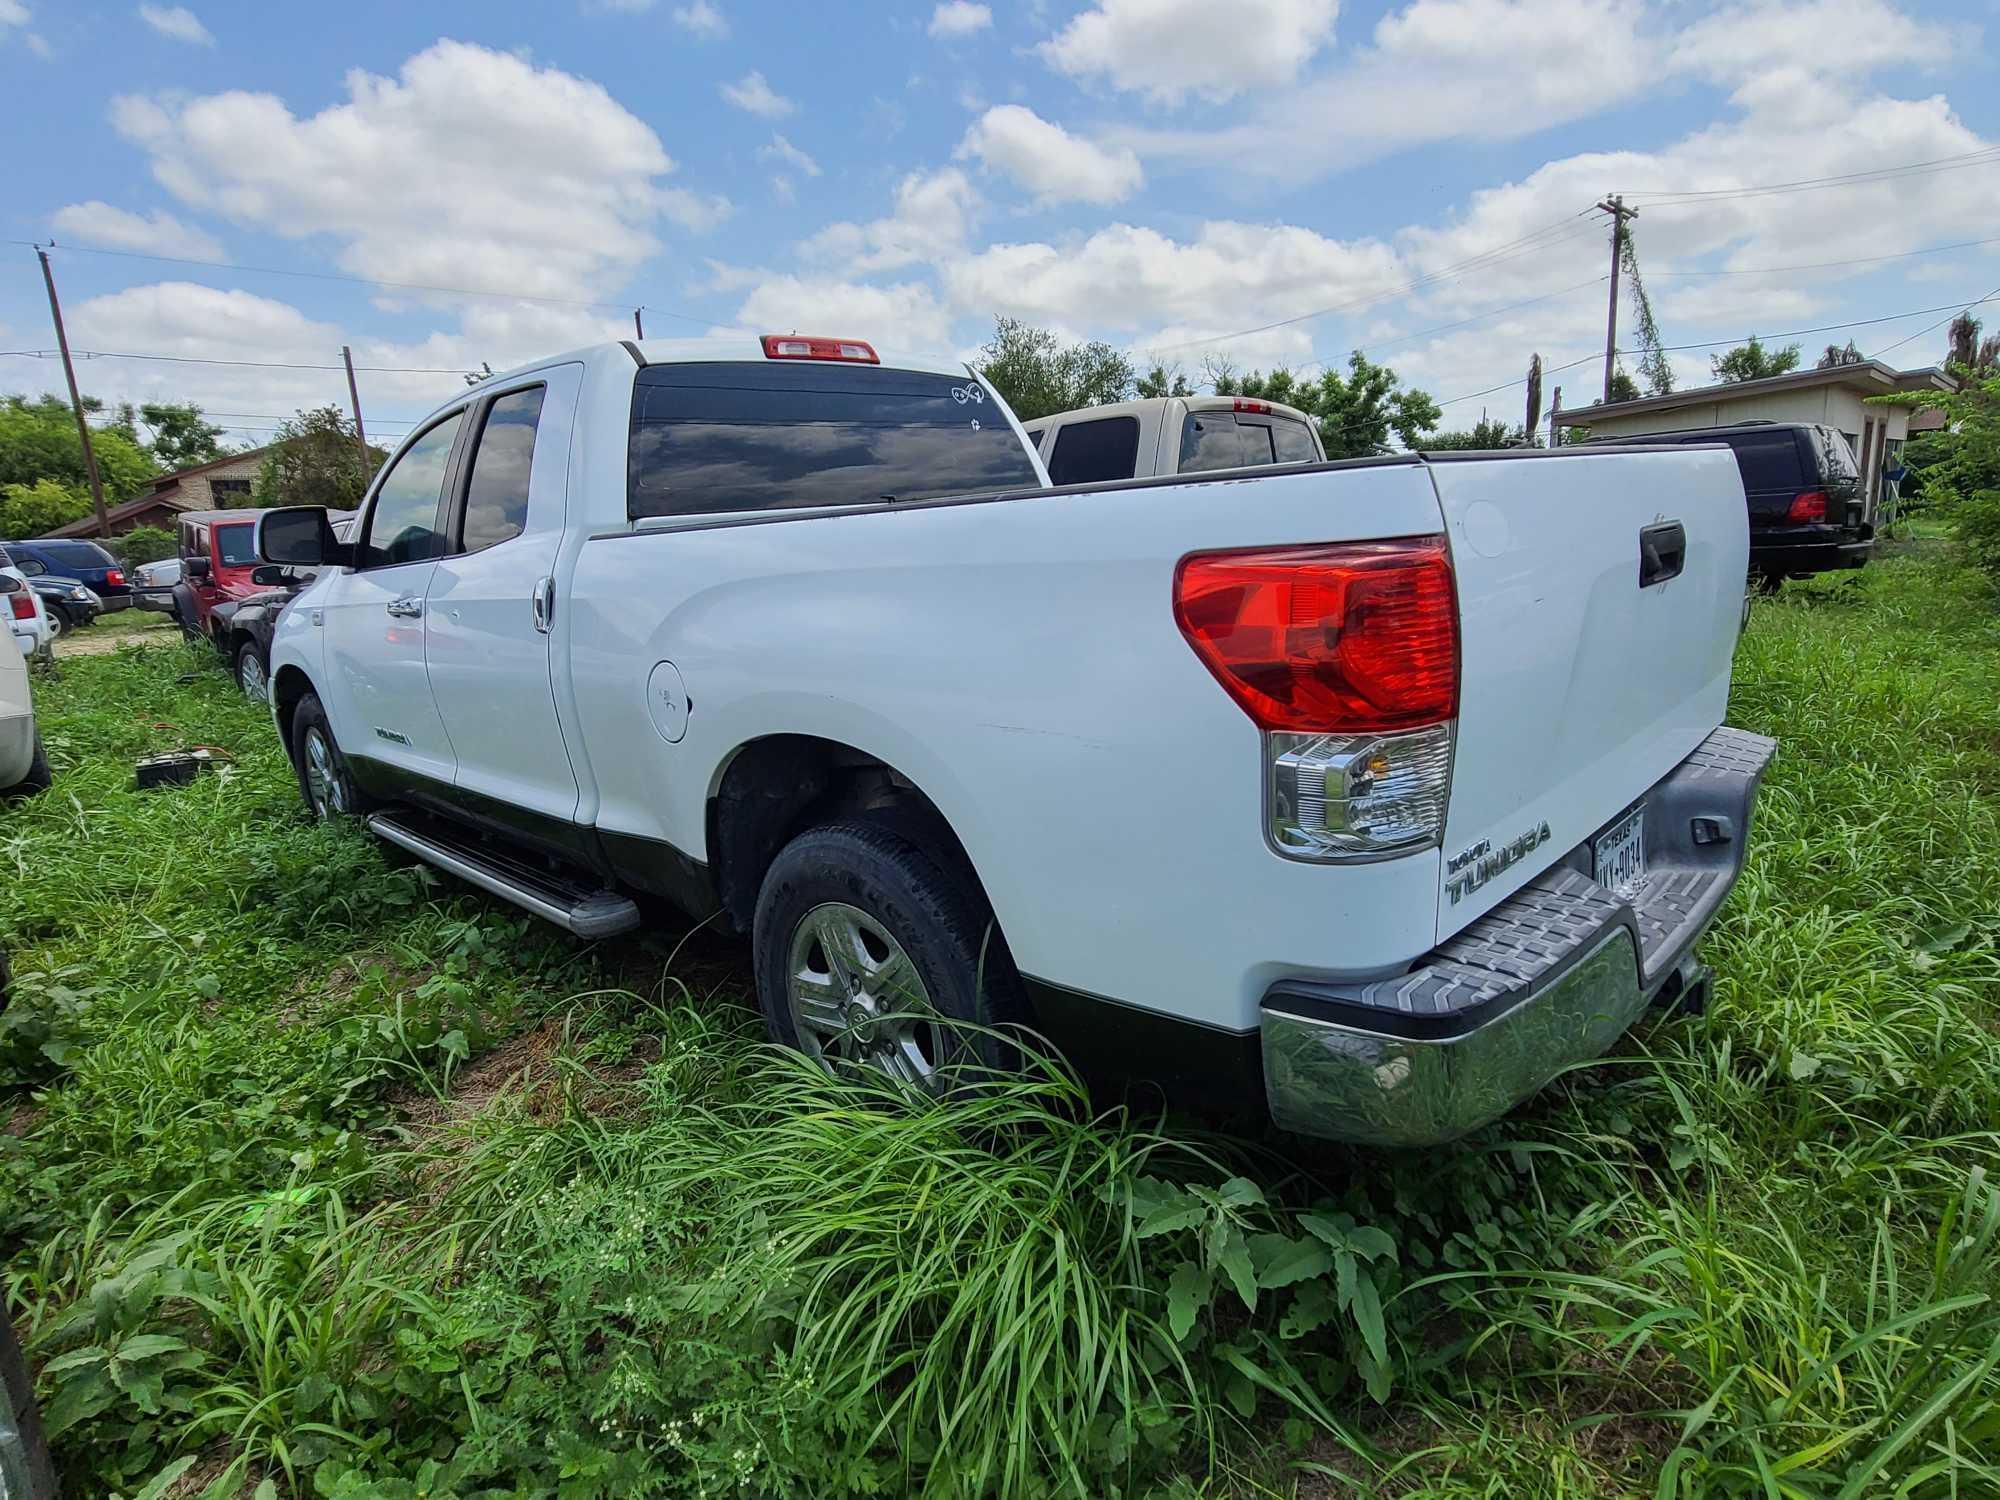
218	554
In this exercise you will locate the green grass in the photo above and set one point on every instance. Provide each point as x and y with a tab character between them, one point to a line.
325	1178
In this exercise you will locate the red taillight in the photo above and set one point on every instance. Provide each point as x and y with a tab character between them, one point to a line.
113	577
1808	505
795	346
1358	636
23	605
1246	405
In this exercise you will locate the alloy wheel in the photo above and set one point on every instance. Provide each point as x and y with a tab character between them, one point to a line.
250	675
323	786
857	999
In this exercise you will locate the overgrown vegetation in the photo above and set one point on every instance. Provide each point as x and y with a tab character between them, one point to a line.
1957	470
323	1178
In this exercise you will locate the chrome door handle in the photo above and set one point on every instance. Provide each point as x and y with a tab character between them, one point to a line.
543	603
407	608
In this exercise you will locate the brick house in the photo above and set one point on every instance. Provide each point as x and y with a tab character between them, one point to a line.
220	484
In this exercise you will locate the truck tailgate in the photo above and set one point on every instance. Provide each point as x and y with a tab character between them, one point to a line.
1582	684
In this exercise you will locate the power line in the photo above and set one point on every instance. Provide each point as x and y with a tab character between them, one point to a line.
1827	265
1664	198
401	286
255	364
1933	327
1491	312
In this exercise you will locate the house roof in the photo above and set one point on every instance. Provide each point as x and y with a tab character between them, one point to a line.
1871	376
124	510
167	481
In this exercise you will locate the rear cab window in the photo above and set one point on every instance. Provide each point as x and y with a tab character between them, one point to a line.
1095	451
1225	440
721	437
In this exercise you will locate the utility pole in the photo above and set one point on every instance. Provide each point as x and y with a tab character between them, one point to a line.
639	323
1615	206
75	400
354	396
1555	410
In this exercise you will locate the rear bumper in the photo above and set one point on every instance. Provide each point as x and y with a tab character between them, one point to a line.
1550	978
1819	549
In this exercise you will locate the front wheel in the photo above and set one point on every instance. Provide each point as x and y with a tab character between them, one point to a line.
324	780
250	673
868	949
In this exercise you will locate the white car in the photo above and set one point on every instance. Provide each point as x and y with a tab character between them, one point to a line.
1382	790
1172	435
153	584
23	766
34	633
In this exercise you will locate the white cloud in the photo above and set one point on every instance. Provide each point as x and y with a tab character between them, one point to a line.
536	181
959	18
1048	161
906	316
1168	49
703	20
934	215
1751	38
782	150
752	93
14	13
158	233
177	23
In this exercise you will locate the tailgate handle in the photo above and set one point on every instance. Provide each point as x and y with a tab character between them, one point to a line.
1663	551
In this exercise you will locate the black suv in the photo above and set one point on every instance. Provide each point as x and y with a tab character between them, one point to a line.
1808	507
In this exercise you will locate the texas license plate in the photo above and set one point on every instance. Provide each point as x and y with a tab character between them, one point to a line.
1618	855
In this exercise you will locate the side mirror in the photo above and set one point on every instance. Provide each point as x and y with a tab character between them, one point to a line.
197	567
269	575
301	535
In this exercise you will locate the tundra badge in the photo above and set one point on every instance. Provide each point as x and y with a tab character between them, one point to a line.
1468	871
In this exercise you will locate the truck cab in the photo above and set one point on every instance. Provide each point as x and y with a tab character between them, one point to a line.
1172	435
218	553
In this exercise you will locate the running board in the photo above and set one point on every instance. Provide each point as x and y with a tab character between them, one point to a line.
583	910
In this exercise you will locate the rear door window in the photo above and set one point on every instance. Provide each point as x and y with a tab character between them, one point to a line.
1212	440
77	555
721	437
1095	451
1769	460
403	527
496	496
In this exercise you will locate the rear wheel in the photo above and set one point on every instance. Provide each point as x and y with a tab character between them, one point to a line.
324	780
58	624
38	777
250	673
868	950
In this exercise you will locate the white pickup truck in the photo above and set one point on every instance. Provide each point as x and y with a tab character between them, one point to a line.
1383	789
1172	435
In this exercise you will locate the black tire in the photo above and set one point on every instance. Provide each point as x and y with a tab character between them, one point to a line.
1769	583
26	1465
250	660
935	913
38	778
346	799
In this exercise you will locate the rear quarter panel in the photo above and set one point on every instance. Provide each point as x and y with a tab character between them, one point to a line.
1019	661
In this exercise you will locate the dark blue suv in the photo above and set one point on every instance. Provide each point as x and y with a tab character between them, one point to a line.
86	562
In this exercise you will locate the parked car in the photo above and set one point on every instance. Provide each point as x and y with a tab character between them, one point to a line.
69	604
1385	790
33	631
86	562
1172	435
153	584
243	628
1809	511
24	768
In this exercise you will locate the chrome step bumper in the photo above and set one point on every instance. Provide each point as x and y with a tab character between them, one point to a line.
1551	977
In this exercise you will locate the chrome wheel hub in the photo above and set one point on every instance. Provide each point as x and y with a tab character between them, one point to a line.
254	684
856	997
322	777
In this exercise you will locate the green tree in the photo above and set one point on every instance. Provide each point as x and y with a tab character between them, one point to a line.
39	508
1752	361
38	441
1964	485
144	544
182	437
1356	412
1040	375
1487	432
314	462
1623	387
1163	380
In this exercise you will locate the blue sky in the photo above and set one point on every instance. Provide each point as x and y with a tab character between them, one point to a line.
1185	179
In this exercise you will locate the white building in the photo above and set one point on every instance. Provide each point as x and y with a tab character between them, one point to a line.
1835	397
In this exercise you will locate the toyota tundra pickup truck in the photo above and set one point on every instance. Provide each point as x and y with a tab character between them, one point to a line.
1379	790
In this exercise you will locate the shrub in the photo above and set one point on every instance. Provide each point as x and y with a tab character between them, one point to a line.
144	544
1964	484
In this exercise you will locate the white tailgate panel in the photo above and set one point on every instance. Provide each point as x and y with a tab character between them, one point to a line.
1580	689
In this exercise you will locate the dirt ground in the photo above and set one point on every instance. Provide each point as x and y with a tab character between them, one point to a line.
127	627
